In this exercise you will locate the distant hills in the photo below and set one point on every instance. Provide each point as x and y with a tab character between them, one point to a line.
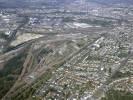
113	1
28	3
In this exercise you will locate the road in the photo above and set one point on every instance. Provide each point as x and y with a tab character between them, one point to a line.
99	92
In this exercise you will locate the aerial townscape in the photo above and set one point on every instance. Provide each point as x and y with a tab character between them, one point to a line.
66	49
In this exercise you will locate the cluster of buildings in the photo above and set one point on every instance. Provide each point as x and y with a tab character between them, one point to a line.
85	72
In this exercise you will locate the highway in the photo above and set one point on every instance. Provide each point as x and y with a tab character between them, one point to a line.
41	71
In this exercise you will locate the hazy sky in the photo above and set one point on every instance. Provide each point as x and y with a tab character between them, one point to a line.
26	3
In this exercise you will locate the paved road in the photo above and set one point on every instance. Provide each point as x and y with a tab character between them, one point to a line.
99	92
